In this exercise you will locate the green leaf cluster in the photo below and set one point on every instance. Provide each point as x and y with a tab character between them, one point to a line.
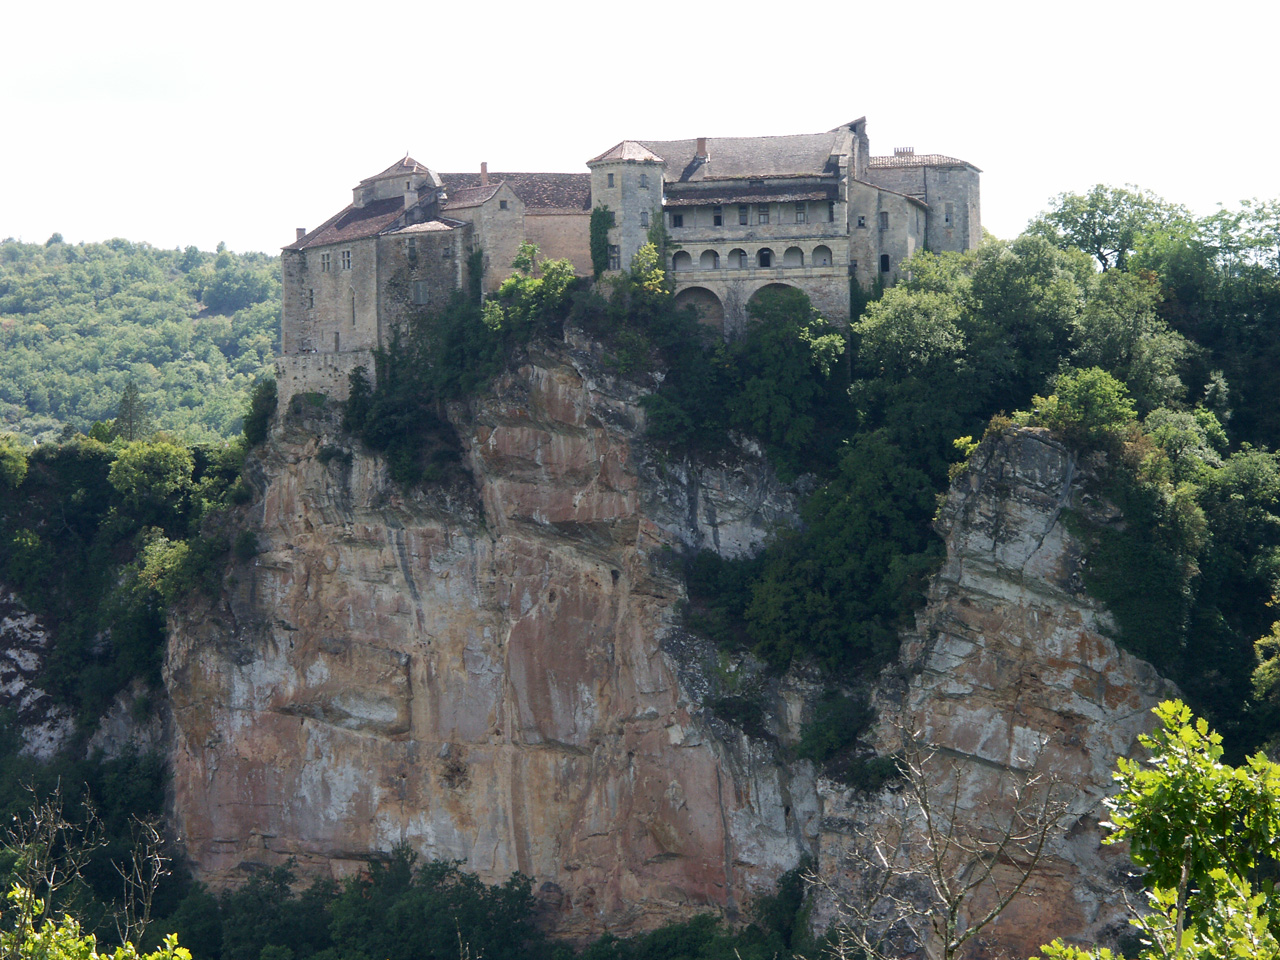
1205	834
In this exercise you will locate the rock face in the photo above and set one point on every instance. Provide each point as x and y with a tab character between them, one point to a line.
44	725
1008	673
478	673
497	674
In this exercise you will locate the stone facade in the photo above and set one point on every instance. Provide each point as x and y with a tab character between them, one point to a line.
811	211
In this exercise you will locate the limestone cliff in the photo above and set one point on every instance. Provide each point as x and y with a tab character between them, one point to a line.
1010	670
479	672
497	673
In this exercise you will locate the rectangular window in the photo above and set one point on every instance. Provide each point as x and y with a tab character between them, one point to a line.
411	248
801	213
743	261
346	259
949	216
421	292
677	220
884	263
311	299
831	211
615	257
717	216
862	223
610	179
502	204
762	213
644	218
644	181
324	263
884	220
743	211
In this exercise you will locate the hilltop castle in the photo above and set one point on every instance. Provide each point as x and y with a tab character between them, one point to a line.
813	211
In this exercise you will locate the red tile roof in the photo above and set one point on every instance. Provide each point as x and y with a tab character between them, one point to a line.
918	160
398	169
470	196
353	223
558	191
627	150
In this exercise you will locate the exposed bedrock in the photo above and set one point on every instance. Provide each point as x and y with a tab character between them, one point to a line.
497	673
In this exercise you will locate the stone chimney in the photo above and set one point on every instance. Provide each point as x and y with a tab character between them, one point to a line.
484	174
302	232
701	153
904	151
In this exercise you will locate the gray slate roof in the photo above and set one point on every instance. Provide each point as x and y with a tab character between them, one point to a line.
802	154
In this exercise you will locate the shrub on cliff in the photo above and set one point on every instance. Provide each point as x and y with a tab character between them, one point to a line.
1205	835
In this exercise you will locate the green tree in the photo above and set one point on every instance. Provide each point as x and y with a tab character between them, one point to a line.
1107	222
63	939
262	404
1205	833
133	418
601	221
1088	407
13	461
152	473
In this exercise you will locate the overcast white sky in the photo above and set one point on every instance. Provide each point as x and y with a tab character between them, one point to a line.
182	124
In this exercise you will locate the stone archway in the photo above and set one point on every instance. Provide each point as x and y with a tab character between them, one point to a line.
766	287
705	303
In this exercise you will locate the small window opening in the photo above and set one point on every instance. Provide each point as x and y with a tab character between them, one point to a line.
884	263
743	211
677	220
411	246
862	223
610	179
831	211
884	220
644	218
762	213
644	181
325	263
336	341
949	215
801	212
717	216
421	292
502	204
346	259
615	257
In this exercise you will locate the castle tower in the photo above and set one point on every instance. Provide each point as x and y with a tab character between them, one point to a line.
628	180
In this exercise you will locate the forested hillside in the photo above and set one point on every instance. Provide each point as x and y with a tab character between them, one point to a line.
78	323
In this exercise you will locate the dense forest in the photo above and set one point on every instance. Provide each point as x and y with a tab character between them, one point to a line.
1144	337
78	322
